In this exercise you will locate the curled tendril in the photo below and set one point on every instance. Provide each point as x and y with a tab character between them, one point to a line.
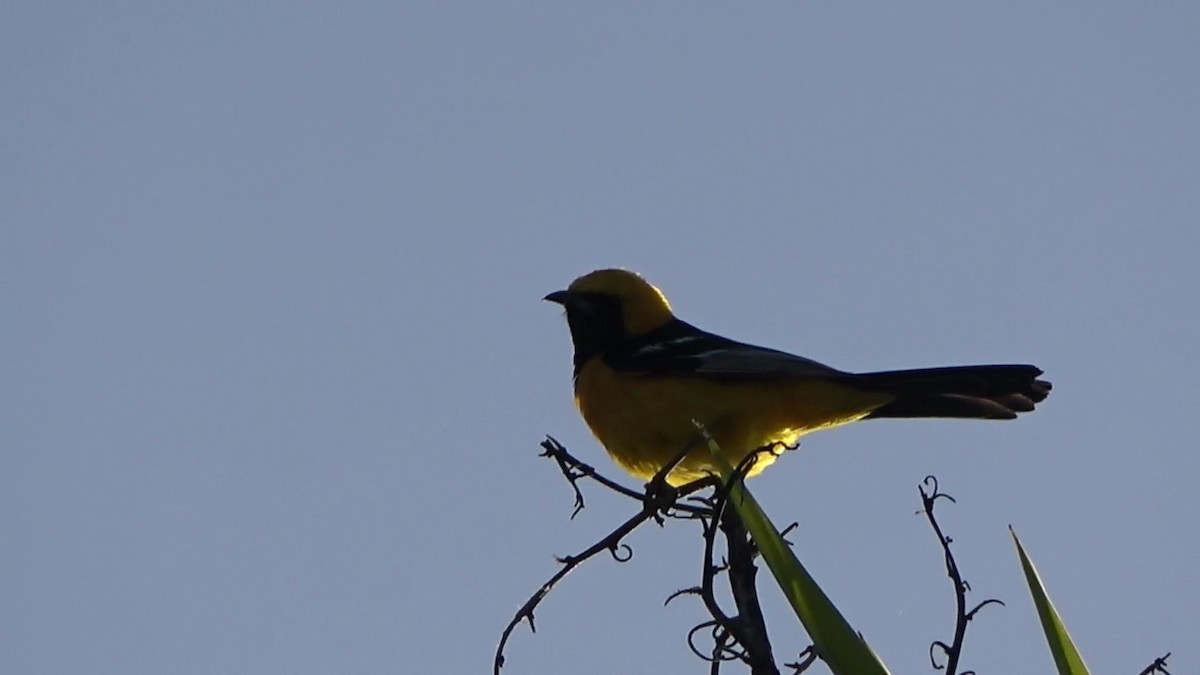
933	657
715	636
622	553
722	648
934	493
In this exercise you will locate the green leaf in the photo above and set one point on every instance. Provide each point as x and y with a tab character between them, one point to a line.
1066	656
839	645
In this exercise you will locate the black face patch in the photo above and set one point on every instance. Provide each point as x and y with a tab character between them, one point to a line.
596	325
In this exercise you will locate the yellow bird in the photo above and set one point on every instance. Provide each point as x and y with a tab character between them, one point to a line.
644	378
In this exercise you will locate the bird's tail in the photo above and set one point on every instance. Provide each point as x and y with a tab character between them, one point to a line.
976	392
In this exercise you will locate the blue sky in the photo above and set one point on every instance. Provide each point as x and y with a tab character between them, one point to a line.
277	364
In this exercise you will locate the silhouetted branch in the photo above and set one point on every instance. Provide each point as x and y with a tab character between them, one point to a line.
573	469
1159	666
611	543
807	658
751	631
742	636
952	651
659	499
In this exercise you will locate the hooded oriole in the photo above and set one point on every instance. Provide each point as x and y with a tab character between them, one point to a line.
644	379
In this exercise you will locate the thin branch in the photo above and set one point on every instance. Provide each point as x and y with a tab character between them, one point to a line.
742	637
952	651
1159	666
747	630
807	658
752	633
611	543
573	469
659	499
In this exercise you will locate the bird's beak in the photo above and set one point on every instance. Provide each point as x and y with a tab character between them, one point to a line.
561	297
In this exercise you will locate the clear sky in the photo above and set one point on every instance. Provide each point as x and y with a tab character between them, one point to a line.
276	364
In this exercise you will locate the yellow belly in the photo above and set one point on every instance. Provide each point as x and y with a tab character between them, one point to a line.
645	421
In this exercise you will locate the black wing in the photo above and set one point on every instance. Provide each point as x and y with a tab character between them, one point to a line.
679	348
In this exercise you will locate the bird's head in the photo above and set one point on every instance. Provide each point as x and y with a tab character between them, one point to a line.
606	307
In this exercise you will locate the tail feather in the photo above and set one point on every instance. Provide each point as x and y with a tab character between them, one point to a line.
975	392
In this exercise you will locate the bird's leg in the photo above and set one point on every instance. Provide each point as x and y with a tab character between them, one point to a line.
660	494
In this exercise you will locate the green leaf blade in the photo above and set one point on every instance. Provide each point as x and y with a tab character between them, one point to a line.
836	642
1066	657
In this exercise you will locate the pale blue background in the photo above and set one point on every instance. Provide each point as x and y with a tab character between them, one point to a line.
276	365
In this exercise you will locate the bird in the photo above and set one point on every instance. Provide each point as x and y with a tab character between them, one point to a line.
650	385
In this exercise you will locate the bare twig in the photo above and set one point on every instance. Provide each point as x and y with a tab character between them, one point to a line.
752	628
751	631
807	658
952	651
659	499
573	469
611	543
742	637
1159	666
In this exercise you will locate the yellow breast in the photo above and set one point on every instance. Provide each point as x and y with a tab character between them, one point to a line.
645	421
